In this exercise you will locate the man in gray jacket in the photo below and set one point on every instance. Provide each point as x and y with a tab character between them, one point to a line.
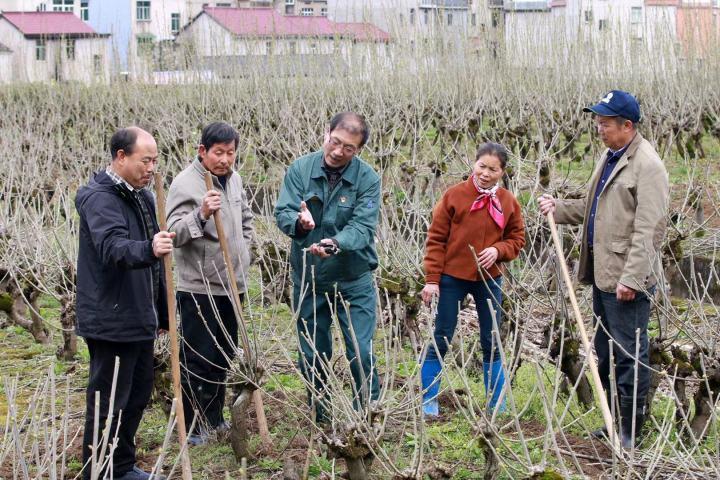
209	326
624	225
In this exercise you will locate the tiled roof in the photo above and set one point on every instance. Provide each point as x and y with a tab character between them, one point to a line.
267	22
363	32
49	24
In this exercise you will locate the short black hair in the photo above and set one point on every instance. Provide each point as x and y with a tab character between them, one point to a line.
123	139
353	123
218	132
494	149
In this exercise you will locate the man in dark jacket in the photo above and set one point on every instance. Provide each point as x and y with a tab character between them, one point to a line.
121	299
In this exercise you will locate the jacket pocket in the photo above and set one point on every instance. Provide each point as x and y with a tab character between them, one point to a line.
345	202
213	266
314	202
619	246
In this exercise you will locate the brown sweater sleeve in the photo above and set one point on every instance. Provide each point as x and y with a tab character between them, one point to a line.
513	238
437	238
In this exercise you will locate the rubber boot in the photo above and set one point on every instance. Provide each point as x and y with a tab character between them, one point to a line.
494	380
626	421
602	432
430	376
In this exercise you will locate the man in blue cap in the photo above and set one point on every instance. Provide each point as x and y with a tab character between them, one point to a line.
623	220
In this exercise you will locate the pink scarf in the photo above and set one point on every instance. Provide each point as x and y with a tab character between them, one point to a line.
488	198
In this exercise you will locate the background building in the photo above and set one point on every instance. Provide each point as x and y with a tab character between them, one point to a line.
56	46
227	39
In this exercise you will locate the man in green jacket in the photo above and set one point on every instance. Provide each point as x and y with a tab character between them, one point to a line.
328	206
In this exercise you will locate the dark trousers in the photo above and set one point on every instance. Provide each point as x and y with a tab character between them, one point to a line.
132	394
452	292
313	325
209	343
620	320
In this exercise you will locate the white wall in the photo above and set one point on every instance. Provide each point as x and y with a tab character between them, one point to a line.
393	16
532	36
6	67
26	68
661	26
208	38
82	69
31	5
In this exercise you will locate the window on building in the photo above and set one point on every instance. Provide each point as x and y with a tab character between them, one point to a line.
289	2
412	16
70	48
40	50
323	12
174	23
473	19
145	44
602	24
289	9
41	8
97	64
84	11
587	14
636	15
292	48
269	48
63	5
449	19
223	5
313	48
426	17
143	11
307	12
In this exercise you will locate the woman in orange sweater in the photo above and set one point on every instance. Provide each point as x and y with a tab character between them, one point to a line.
476	213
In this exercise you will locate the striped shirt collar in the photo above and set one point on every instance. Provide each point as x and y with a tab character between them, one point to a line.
118	179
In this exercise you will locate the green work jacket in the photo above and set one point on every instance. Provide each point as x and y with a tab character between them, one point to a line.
348	214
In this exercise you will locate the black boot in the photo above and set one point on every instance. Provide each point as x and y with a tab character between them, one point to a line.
626	421
602	432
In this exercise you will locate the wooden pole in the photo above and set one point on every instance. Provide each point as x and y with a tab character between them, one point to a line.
592	363
173	332
232	280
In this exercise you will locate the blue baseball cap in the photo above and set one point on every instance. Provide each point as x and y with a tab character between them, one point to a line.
617	104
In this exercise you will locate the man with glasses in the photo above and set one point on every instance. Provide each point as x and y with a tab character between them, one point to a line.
328	206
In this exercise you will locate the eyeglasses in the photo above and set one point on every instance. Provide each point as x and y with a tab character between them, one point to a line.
347	149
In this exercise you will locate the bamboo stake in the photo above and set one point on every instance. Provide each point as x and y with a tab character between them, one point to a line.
604	407
172	331
232	280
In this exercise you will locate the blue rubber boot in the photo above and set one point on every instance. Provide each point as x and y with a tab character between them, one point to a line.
430	375
494	379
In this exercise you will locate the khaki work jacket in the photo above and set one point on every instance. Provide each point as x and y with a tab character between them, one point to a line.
630	220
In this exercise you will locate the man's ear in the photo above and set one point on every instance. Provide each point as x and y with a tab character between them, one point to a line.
202	151
120	157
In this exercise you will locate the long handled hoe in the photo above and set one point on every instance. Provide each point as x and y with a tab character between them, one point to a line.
172	327
257	398
592	363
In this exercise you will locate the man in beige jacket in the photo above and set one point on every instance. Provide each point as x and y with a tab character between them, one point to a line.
623	220
209	326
